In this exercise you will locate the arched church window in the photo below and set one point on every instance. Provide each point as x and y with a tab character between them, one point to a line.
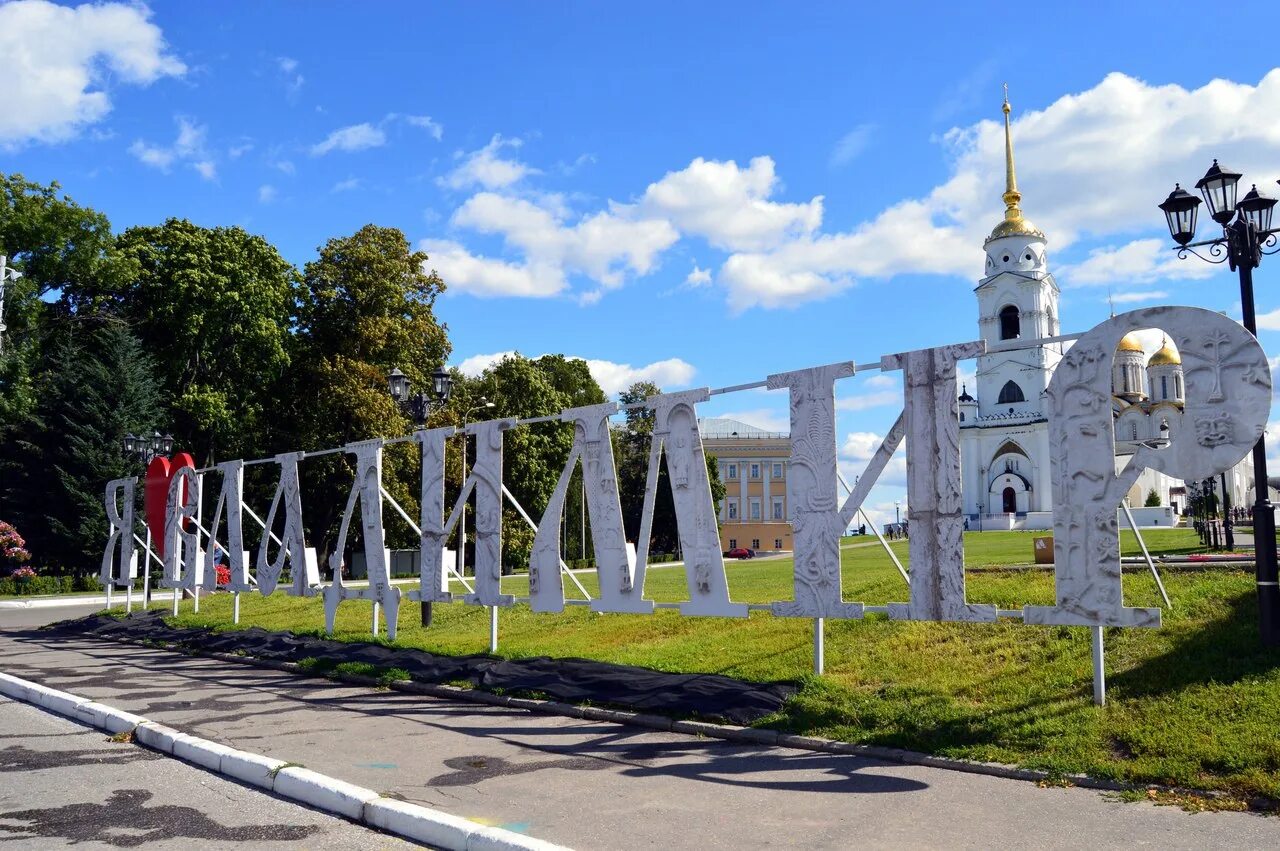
1010	326
1164	387
1011	393
1133	431
1177	386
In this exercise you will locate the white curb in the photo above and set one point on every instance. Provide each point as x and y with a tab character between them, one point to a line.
294	782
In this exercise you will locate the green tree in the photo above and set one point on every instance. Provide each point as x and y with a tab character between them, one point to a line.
366	305
213	306
1153	498
97	385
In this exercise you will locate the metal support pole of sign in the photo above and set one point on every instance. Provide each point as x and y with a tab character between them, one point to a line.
493	629
375	618
1099	675
146	572
177	596
128	597
235	607
109	584
819	647
199	556
1143	544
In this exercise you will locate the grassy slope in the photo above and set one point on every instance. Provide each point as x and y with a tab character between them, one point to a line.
1196	703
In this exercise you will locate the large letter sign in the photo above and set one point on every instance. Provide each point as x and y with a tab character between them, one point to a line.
1228	397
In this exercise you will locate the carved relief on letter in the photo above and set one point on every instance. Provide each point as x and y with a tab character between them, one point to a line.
936	544
1228	397
815	517
293	546
487	475
433	578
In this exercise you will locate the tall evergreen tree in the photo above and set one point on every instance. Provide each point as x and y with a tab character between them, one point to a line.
97	385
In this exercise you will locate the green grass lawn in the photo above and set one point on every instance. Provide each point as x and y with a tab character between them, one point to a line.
1196	703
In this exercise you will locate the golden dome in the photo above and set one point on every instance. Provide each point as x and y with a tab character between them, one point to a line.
1015	227
1130	343
1167	356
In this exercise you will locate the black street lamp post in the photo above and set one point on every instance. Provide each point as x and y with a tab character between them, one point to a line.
417	407
1246	231
145	448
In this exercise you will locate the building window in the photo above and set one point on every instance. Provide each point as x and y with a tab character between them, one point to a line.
755	471
733	543
777	543
1133	431
777	471
1164	387
1010	325
1011	393
733	509
1177	386
777	509
733	471
755	543
755	509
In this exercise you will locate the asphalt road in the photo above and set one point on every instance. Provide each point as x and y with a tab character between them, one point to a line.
63	784
29	618
597	785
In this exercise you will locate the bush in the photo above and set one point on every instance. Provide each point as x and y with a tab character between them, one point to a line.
1153	499
13	549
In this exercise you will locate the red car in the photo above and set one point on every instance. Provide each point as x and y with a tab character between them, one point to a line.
741	552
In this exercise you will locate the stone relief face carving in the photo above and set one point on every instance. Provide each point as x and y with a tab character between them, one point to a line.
1228	397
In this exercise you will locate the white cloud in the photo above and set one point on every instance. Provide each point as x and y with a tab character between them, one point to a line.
355	137
485	276
1139	261
1269	321
284	166
728	205
851	144
434	129
346	185
698	277
1133	298
486	167
602	246
188	147
612	377
860	447
877	390
288	68
55	62
266	193
1093	163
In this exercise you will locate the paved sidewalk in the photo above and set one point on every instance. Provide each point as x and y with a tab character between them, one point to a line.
597	785
63	784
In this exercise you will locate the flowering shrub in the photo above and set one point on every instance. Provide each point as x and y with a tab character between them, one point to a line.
224	575
24	574
13	549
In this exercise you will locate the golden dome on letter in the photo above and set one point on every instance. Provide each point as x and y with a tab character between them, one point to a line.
1167	356
1130	343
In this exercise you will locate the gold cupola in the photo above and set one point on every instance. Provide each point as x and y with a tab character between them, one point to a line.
1130	343
1014	224
1167	356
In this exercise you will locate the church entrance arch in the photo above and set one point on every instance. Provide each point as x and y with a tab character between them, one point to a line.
1010	493
1010	498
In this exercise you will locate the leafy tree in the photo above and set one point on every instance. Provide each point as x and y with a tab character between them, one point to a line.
1153	498
213	306
97	385
366	305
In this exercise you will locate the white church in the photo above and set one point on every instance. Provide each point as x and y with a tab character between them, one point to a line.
1004	430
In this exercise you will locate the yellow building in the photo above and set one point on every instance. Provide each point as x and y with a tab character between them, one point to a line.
753	466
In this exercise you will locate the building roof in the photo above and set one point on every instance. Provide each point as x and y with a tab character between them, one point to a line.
1167	356
713	427
1130	343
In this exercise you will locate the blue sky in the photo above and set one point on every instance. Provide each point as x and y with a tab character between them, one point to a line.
699	193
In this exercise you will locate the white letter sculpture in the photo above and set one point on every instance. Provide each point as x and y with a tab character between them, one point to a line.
119	548
936	546
305	572
1227	399
487	474
181	538
621	581
230	501
433	576
675	432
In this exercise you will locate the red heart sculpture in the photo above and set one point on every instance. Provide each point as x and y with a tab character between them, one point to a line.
155	493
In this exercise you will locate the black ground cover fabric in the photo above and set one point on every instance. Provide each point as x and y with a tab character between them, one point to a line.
568	680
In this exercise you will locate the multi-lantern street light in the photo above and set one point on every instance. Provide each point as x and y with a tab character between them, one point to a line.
145	448
1246	232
